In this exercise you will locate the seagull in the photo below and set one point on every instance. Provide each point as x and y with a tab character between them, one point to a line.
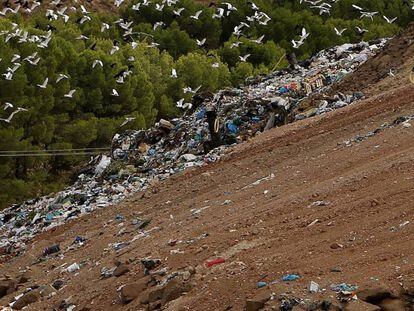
201	42
8	75
15	67
84	19
219	14
97	62
339	32
34	62
304	35
244	58
135	7
84	11
182	105
230	7
159	7
61	77
70	94
7	105
82	37
115	48
44	84
296	44
127	120
196	15
389	20
361	31
235	44
188	89
357	7
258	40
254	6
173	73
12	115
114	93
391	73
178	11
104	27
368	14
15	57
157	24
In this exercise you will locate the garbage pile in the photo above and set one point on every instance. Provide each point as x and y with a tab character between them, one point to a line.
200	136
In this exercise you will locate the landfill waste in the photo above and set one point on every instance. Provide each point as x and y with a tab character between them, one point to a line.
343	287
313	287
51	249
290	277
140	158
214	262
73	267
403	120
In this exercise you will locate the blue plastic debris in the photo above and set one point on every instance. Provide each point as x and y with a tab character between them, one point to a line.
343	287
261	284
119	217
232	128
290	277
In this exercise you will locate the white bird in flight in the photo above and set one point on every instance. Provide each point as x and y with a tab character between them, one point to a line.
244	58
7	105
196	15
61	77
12	115
70	94
127	120
339	32
389	20
44	84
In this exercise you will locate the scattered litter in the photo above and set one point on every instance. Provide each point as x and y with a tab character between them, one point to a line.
214	262
313	287
261	284
343	287
140	158
290	277
73	267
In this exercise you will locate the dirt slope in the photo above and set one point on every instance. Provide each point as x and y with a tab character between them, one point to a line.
264	229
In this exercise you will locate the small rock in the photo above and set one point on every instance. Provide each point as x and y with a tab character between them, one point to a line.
407	287
23	278
374	294
131	291
258	301
359	305
26	299
392	304
174	289
7	287
336	246
154	306
151	295
192	270
120	270
45	290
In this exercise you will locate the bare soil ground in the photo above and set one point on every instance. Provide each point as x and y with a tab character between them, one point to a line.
266	229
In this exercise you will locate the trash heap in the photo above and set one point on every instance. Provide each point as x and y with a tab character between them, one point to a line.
200	136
